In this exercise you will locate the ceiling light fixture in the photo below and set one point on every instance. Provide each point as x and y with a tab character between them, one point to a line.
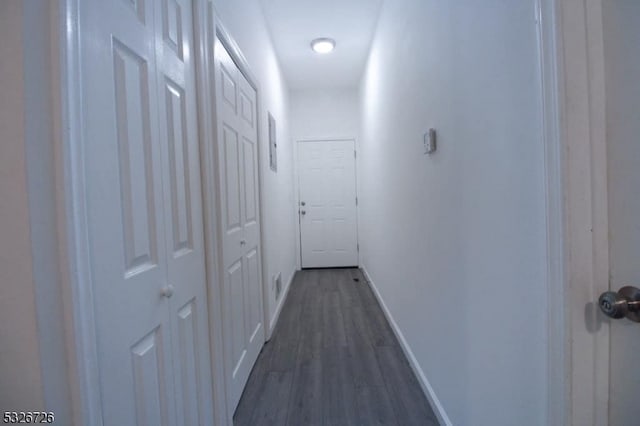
323	45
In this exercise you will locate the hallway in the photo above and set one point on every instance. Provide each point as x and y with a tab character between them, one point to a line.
301	212
333	360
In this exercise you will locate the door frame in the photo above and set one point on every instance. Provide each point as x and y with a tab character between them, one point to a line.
76	305
572	60
296	190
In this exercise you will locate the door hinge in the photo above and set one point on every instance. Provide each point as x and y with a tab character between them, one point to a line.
356	201
358	246
355	154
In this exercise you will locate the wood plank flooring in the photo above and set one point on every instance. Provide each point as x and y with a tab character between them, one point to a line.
332	360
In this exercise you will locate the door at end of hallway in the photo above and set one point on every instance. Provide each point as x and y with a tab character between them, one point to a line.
327	203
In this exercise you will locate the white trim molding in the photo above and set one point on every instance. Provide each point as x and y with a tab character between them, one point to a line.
283	297
575	135
552	83
437	407
204	42
81	339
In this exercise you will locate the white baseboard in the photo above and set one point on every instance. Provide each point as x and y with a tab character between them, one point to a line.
437	407
283	298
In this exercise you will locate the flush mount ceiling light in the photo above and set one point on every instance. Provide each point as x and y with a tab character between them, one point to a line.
323	45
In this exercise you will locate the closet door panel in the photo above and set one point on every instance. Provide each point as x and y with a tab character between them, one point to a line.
243	329
184	228
125	212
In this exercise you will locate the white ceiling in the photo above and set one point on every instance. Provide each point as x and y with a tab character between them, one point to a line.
294	23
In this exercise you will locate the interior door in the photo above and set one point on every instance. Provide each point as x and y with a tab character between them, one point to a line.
143	212
243	330
328	217
183	211
622	68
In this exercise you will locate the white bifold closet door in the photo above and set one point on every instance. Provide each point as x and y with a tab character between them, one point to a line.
144	212
243	330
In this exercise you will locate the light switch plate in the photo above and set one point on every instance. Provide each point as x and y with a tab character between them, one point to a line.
430	141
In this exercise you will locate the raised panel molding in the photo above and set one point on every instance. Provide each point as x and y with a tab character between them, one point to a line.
341	232
179	169
138	7
251	196
336	191
136	164
232	180
150	390
254	322
316	154
189	372
246	108
172	26
236	313
337	153
228	88
318	234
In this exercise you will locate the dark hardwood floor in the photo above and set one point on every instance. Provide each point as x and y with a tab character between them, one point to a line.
332	360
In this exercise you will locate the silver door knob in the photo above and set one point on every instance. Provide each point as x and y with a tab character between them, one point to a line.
303	203
302	212
624	303
167	291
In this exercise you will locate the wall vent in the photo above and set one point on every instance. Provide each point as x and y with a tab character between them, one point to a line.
277	284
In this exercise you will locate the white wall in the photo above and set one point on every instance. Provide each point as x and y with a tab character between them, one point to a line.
455	242
43	132
324	113
622	55
20	380
245	22
33	371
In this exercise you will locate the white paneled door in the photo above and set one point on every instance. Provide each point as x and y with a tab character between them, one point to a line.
243	330
328	217
144	212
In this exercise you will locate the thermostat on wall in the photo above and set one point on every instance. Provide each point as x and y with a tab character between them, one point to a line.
430	141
